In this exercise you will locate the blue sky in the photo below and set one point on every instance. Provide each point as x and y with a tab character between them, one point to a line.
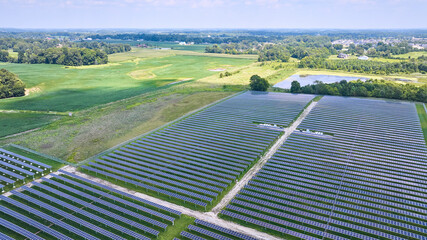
354	14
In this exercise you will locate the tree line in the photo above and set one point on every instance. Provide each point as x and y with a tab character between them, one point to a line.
63	56
281	50
54	51
10	85
369	88
358	66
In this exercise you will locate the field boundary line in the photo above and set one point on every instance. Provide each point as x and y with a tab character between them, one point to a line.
20	133
205	216
35	112
158	128
255	169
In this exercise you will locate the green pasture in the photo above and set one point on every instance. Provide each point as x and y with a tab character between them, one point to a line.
171	45
11	123
412	54
58	88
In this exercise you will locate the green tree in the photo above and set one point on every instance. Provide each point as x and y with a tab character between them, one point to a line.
338	47
295	87
4	56
258	83
10	85
21	57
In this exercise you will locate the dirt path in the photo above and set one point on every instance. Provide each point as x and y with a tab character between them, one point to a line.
248	176
212	216
205	216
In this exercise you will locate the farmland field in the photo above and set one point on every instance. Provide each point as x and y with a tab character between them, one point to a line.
172	45
363	177
195	161
12	123
98	128
412	54
71	89
58	88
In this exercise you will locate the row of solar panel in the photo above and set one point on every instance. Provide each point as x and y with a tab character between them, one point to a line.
97	212
202	230
365	182
15	167
197	158
361	146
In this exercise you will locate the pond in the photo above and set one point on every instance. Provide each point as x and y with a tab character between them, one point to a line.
305	80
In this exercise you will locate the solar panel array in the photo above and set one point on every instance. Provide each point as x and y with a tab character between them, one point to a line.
67	206
204	230
368	181
196	159
15	167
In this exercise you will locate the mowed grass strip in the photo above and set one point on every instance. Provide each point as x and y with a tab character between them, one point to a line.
422	114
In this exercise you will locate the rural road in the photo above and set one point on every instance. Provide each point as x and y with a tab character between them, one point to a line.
205	216
212	216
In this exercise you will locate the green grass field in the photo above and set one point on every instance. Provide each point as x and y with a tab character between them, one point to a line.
423	119
123	99
57	88
73	89
12	123
412	54
172	45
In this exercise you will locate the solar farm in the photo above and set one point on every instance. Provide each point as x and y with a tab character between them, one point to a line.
356	169
15	168
334	168
66	206
203	230
196	160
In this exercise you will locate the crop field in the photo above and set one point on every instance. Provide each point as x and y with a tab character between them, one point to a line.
96	129
57	88
69	89
204	230
172	45
12	123
81	209
195	162
364	177
412	54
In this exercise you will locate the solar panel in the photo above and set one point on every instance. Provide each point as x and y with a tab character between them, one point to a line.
117	199
28	220
158	206
223	230
17	229
24	158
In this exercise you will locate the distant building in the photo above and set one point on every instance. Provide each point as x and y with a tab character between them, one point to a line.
343	55
363	58
184	43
